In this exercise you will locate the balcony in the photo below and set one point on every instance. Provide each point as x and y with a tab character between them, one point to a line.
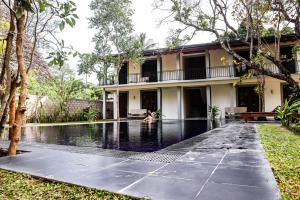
194	74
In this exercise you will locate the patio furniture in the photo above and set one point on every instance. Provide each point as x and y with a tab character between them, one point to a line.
234	112
137	113
252	115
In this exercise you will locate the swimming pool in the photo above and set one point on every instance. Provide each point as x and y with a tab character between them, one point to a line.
135	136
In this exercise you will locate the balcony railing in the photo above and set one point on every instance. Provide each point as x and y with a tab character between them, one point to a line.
194	74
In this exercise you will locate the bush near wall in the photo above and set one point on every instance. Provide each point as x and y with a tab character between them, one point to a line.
45	110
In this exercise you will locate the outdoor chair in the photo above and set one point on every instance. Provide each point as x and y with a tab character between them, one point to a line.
137	114
234	112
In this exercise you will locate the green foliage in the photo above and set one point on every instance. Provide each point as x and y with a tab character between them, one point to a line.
4	26
282	148
61	88
92	63
25	187
2	45
214	112
264	32
174	40
112	20
157	114
89	114
259	90
285	112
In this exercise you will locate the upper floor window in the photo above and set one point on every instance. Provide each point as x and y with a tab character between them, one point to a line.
288	60
123	73
149	70
194	67
240	68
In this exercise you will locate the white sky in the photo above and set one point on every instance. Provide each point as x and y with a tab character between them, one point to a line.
145	19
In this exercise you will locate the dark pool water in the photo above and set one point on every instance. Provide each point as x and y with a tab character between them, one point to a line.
128	136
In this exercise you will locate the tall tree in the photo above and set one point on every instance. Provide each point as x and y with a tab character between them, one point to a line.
222	19
115	41
91	63
20	12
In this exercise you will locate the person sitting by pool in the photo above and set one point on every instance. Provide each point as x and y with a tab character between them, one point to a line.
149	117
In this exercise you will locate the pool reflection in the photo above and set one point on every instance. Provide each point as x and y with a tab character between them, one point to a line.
128	136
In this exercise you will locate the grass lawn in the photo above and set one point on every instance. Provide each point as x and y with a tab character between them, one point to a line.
282	148
22	186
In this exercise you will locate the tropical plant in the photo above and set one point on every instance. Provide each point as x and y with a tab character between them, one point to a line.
157	114
285	112
89	114
214	112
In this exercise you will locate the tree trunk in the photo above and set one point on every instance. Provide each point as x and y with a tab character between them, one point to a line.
12	113
8	104
20	112
6	72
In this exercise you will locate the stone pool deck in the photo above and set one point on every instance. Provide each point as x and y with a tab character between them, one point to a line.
225	163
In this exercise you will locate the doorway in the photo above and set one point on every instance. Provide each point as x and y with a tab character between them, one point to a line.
195	67
240	68
149	100
286	93
123	104
123	73
195	102
149	70
288	61
247	97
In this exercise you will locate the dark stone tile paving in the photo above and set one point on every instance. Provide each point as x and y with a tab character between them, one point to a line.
157	187
216	191
225	163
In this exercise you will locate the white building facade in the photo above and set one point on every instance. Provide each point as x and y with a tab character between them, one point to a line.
185	81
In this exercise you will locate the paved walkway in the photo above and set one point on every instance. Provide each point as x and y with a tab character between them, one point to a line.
225	163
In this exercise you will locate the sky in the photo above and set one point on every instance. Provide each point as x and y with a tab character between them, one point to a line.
145	20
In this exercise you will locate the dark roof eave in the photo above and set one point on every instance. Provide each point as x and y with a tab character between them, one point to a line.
213	45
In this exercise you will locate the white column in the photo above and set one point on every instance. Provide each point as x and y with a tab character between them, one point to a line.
115	105
208	98
231	67
233	102
159	99
179	66
179	102
104	105
182	103
207	64
159	68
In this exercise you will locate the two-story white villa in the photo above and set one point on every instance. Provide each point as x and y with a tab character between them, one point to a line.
185	81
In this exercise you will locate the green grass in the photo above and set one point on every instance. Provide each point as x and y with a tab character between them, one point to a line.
23	187
282	148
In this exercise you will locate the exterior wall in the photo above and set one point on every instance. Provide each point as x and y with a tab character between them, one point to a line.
169	62
223	96
45	107
133	68
169	103
134	100
273	94
216	57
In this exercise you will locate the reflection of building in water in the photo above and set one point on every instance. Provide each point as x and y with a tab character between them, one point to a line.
128	136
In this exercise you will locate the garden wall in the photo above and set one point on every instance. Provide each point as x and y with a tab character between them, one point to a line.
43	107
